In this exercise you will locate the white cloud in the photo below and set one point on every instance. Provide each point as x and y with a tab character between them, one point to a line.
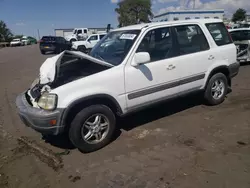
20	24
230	6
114	1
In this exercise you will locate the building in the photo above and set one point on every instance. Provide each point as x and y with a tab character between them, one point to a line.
65	32
189	14
248	18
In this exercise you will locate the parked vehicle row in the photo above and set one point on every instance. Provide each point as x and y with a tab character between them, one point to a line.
23	41
131	68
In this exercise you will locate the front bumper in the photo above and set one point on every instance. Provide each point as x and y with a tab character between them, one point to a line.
39	119
234	69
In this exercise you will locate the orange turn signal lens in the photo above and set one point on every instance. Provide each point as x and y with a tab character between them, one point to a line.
52	122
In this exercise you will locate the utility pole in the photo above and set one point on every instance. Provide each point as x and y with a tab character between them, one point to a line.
38	34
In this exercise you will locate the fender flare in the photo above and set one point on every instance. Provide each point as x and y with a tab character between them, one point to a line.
88	98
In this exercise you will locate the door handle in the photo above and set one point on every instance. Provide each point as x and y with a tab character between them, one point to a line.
211	57
170	67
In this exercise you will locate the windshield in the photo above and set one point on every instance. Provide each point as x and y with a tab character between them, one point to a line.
74	32
114	47
240	35
244	26
16	40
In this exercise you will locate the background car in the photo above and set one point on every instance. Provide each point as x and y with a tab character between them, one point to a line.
241	38
25	40
16	42
54	44
86	45
32	40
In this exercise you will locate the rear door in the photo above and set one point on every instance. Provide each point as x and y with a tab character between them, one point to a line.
225	49
193	56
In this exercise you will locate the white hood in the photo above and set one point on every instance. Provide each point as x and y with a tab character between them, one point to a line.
78	43
48	68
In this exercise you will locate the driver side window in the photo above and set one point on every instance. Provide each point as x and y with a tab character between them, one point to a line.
93	38
158	43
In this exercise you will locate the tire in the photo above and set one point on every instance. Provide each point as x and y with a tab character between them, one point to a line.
210	96
42	52
72	40
82	49
89	114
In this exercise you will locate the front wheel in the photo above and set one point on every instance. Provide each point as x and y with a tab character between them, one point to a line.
92	128
216	89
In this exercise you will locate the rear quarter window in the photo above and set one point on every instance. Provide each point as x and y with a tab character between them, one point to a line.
48	39
219	33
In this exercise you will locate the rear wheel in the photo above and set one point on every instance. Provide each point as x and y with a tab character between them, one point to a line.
92	128
72	40
42	52
216	89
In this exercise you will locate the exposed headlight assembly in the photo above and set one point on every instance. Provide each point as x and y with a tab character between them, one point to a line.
47	101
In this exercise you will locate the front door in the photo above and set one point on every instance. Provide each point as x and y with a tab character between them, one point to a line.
92	41
158	79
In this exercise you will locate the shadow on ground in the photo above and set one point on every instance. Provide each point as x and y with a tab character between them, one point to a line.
137	119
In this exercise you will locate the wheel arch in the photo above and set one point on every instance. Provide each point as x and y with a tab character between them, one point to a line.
220	69
76	106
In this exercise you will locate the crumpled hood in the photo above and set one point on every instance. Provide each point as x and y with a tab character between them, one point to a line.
49	68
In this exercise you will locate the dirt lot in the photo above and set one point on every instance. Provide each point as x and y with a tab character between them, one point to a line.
179	144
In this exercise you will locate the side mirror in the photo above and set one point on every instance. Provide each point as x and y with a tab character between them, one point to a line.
141	58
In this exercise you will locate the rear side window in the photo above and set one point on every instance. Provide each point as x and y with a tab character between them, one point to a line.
219	33
49	39
190	39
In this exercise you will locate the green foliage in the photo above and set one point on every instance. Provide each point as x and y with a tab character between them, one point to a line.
239	15
133	12
5	33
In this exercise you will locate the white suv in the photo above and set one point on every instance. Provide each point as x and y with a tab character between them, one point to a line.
86	45
131	68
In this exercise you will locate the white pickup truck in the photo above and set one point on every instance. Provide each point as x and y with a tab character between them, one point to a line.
86	45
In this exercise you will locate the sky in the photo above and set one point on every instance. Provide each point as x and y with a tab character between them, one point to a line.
28	16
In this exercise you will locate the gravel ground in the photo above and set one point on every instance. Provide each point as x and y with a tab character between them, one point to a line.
179	144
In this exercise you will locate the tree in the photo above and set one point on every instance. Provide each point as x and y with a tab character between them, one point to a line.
134	12
5	33
239	15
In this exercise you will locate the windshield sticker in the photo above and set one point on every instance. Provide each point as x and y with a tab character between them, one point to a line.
128	36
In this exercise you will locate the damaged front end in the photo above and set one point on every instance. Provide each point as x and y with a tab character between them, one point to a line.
243	50
62	69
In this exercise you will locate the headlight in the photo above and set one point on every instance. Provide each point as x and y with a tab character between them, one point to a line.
48	101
